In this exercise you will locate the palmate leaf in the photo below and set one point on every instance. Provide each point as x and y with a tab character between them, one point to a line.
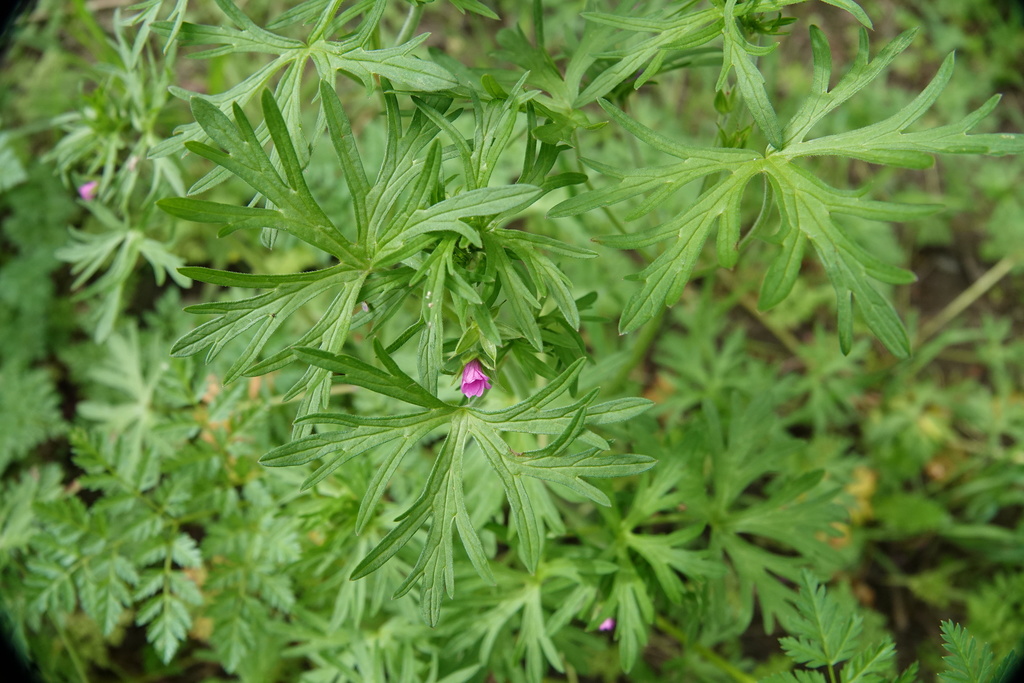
504	249
686	31
556	94
767	539
297	212
292	56
441	501
531	609
344	285
677	31
739	55
115	254
631	603
669	558
399	216
141	414
649	556
808	207
268	311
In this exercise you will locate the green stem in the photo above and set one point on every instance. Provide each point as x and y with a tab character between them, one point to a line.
749	304
619	225
705	652
412	20
967	297
762	215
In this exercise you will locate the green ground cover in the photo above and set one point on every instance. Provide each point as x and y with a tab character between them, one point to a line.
509	341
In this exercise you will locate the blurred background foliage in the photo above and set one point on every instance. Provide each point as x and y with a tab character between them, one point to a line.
230	568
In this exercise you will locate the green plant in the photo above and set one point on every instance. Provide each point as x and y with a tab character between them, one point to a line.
408	336
827	633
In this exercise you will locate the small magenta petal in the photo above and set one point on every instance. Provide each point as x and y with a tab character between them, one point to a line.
474	381
87	191
607	625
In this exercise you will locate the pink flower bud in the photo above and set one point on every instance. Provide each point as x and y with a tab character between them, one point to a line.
474	381
607	625
87	191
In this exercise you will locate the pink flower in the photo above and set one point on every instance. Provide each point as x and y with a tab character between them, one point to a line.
474	381
607	625
87	191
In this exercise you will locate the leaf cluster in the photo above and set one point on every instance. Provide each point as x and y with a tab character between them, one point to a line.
827	633
301	504
808	208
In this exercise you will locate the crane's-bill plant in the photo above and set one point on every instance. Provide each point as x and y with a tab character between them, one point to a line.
421	432
401	240
806	205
